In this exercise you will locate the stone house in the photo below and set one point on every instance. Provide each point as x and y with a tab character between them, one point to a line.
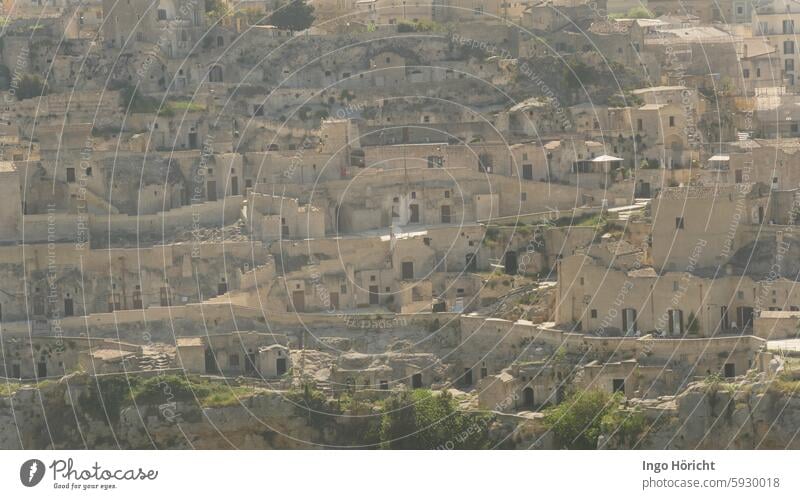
235	354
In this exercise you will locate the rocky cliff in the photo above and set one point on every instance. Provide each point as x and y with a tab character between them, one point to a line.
747	414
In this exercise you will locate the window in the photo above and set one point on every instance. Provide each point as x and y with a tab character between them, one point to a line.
523	196
746	73
758	72
788	64
435	161
639	125
527	172
672	121
447	194
407	271
594	313
679	222
233	360
788	27
675	322
788	47
162	15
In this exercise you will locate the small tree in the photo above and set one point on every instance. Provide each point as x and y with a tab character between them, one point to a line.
297	15
576	422
30	86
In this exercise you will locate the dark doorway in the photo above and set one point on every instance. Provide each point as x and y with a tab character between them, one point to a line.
250	364
211	190
675	322
744	316
384	385
234	186
618	385
408	271
222	288
280	366
471	263
192	140
163	296
69	309
730	370
215	73
467	378
527	398
70	175
334	301
15	371
511	266
445	214
414	217
644	190
299	301
416	381
211	362
374	298
760	214
41	369
628	321
137	299
738	176
724	324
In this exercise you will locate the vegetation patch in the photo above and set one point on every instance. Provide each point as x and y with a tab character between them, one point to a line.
578	421
421	419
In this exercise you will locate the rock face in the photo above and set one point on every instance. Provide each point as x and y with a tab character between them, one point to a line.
54	417
747	415
70	414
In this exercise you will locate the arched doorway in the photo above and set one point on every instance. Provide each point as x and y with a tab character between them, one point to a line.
527	398
215	74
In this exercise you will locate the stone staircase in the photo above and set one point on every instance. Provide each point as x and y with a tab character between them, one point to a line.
154	362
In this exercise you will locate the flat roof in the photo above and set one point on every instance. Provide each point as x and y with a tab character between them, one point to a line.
190	342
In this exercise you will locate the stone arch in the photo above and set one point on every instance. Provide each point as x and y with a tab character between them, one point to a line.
215	74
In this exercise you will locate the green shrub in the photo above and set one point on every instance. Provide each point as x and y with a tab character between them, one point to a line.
423	420
576	422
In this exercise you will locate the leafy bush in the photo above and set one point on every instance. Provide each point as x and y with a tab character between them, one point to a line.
297	15
30	86
578	421
639	12
106	395
423	420
625	426
136	102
